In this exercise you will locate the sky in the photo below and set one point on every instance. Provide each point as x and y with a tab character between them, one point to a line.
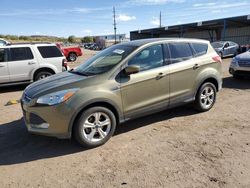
91	17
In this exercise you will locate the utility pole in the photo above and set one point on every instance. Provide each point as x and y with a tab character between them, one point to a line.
114	15
160	19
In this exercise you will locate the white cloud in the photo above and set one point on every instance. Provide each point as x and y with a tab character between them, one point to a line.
153	2
87	31
212	6
203	4
125	18
155	21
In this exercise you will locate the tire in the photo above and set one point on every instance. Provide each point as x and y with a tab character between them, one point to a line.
41	75
95	127
72	57
205	97
221	55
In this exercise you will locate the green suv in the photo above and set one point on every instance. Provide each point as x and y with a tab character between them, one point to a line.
121	83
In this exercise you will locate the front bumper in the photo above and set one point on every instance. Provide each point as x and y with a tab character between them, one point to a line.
237	70
48	120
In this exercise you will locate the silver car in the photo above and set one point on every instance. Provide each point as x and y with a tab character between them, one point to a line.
226	48
240	65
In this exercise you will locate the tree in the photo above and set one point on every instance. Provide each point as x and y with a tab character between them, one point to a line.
72	39
87	39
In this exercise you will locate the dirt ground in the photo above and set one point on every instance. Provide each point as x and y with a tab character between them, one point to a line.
174	148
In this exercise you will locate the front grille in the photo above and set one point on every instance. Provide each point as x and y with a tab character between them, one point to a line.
244	63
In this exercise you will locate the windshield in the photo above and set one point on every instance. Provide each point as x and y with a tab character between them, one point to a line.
105	60
217	44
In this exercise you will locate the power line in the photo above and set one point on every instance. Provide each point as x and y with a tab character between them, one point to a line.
160	19
114	15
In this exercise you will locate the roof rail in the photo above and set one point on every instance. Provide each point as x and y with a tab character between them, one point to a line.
32	43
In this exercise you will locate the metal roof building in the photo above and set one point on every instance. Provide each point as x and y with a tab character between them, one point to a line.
235	29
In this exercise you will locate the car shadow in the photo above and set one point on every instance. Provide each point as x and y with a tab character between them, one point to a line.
18	146
6	89
232	83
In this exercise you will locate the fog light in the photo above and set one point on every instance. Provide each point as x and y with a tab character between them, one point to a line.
40	126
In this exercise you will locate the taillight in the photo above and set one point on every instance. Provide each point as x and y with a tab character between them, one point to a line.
64	63
217	59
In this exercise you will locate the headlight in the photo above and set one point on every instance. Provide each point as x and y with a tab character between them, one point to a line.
235	62
56	97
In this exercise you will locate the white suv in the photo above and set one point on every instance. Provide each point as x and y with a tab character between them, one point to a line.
24	63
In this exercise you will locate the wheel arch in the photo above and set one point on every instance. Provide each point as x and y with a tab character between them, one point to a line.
102	103
40	69
210	79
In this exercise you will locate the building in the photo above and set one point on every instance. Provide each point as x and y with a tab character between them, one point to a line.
109	40
235	29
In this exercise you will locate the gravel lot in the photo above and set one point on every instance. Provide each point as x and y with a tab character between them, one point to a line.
174	148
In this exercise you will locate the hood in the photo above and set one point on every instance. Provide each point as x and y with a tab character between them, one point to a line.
243	56
53	83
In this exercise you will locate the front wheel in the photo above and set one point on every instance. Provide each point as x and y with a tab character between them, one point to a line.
206	97
95	127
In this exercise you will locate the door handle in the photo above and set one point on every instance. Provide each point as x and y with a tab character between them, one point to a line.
196	66
160	75
31	63
1	65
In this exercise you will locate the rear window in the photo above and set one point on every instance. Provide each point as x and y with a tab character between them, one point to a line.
180	52
200	49
20	54
49	51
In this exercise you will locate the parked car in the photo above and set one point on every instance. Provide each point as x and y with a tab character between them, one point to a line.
226	48
87	45
24	63
4	42
123	82
70	52
240	65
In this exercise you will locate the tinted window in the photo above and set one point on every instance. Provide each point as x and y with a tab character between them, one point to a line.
19	54
2	55
180	52
200	49
49	51
148	58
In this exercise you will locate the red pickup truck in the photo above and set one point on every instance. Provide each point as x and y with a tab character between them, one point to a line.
71	53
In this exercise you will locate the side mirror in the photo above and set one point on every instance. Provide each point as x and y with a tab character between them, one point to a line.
132	69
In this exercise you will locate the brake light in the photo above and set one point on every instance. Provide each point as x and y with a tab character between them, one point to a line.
217	59
64	63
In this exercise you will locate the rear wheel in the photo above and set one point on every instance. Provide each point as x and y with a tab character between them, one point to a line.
72	57
41	75
95	127
221	54
206	97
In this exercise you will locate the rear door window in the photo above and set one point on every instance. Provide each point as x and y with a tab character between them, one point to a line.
180	52
200	49
20	54
49	51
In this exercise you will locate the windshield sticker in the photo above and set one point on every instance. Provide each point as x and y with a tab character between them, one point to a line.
118	51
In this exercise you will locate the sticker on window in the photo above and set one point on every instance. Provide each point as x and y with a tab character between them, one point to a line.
118	51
